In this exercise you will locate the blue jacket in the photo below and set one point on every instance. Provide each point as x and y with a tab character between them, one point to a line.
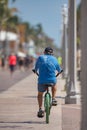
46	66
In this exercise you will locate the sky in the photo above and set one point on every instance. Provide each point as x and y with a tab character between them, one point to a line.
46	12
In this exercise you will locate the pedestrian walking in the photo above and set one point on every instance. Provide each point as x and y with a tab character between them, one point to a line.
12	62
3	61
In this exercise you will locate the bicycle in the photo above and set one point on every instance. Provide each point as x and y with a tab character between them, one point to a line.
47	98
47	102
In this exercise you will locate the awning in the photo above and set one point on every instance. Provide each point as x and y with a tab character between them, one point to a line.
10	36
21	54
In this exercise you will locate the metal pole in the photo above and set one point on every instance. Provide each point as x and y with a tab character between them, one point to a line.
65	46
84	63
72	89
75	46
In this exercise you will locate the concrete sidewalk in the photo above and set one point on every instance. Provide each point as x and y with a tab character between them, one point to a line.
18	107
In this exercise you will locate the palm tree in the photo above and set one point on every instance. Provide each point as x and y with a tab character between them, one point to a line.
39	29
6	14
7	19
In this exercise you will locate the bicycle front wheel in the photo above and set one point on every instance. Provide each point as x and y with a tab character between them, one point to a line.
47	107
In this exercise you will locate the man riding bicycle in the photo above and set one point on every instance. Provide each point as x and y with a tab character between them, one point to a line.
46	66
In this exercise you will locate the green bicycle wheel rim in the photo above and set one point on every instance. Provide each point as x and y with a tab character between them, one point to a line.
47	108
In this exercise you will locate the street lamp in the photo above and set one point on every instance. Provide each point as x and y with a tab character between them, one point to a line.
65	17
72	86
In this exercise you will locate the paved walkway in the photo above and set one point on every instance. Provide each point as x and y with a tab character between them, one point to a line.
18	108
6	80
71	117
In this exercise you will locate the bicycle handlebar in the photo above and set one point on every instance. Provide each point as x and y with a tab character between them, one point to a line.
35	72
59	73
38	74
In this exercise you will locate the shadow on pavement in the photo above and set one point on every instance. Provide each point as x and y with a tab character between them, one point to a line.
25	122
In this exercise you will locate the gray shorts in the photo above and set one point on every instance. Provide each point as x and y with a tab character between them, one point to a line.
42	87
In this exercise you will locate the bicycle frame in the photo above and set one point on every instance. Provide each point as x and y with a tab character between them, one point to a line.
47	104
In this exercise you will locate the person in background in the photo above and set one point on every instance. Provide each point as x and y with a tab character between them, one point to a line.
21	63
12	60
60	60
3	58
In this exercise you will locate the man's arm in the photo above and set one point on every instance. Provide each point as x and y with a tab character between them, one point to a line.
58	68
36	66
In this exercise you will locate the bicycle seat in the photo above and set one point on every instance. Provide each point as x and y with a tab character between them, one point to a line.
49	84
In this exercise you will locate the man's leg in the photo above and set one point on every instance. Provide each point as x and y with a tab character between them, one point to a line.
54	89
40	99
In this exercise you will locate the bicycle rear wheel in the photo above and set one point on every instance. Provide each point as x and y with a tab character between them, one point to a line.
47	107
